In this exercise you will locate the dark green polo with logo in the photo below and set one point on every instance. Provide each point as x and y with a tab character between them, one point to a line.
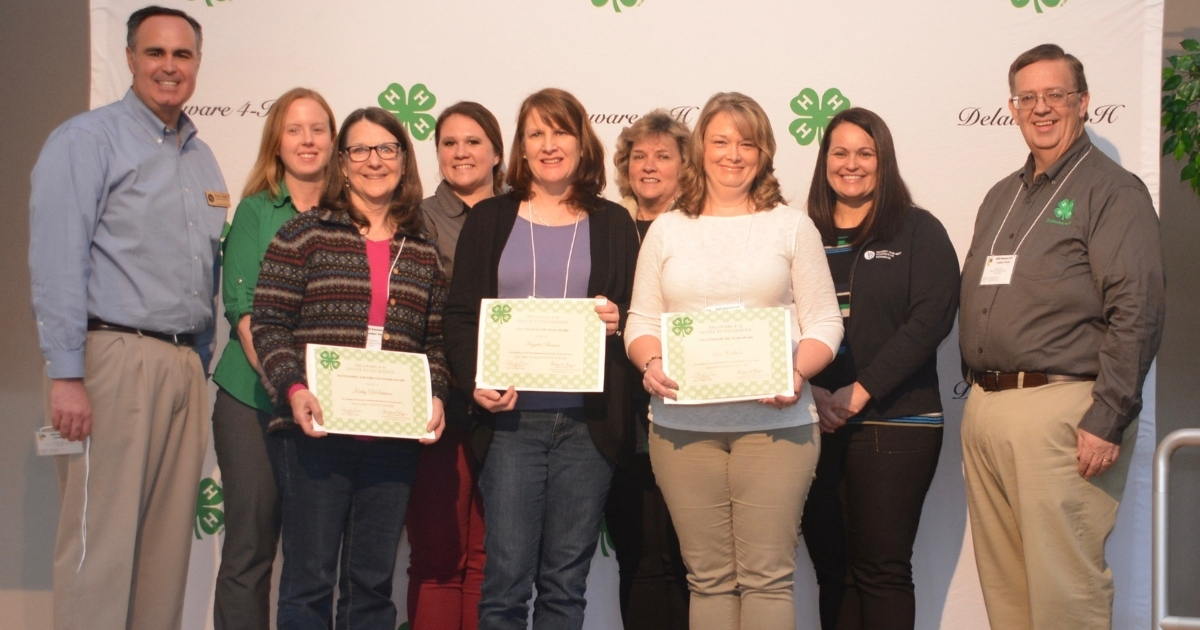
1086	294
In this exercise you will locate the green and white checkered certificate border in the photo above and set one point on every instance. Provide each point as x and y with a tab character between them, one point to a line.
498	315
323	362
675	327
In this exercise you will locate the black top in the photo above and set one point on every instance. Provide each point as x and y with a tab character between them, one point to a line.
614	246
903	296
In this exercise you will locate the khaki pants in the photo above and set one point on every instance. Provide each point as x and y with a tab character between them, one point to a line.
736	500
138	478
1039	527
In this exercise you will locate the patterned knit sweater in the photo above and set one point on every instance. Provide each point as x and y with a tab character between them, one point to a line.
315	287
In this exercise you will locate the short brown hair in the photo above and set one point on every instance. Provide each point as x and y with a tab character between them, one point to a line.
656	123
752	122
268	168
141	15
563	110
406	200
491	128
1046	52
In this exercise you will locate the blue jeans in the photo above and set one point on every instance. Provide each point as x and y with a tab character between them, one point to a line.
347	496
544	483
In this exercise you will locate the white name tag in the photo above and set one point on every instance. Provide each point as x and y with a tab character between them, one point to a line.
998	270
726	307
51	442
374	337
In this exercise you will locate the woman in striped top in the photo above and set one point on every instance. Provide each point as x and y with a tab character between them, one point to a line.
896	276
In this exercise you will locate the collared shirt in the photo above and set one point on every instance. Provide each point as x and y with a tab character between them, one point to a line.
121	230
255	223
444	215
1087	291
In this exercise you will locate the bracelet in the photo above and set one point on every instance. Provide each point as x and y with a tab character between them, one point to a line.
802	376
646	368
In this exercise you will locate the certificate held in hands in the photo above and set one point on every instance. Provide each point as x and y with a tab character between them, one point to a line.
728	355
542	345
371	392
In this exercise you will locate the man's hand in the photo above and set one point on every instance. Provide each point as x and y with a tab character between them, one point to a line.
70	410
1095	454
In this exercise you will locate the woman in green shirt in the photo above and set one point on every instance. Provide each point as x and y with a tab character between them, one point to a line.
289	174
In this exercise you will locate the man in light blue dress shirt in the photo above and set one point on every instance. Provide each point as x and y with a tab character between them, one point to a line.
125	221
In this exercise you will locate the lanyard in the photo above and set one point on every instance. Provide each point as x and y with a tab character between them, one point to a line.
992	251
570	252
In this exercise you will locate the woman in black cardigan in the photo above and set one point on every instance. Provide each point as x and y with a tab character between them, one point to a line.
880	412
549	455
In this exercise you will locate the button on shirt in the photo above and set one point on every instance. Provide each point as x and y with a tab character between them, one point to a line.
1087	292
121	230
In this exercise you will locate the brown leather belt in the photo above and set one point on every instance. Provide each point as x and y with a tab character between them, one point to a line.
183	339
999	381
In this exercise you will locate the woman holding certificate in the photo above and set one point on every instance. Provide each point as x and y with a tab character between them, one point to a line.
551	264
360	277
880	411
722	284
297	144
445	526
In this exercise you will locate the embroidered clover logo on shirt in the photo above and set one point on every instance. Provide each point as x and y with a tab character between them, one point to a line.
1063	212
881	254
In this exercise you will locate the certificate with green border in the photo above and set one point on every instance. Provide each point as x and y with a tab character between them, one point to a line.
371	392
728	355
540	345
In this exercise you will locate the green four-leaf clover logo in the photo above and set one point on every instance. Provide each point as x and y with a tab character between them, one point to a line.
501	313
209	516
813	114
408	108
681	326
329	360
1037	4
1065	210
617	3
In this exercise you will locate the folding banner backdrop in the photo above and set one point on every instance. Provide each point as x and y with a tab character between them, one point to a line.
935	71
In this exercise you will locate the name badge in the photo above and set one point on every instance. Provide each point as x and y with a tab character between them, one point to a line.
50	442
998	270
374	337
217	199
726	307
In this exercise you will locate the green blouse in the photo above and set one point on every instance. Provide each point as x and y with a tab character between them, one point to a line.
255	223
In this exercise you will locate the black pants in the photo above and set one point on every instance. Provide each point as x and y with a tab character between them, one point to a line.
861	519
654	591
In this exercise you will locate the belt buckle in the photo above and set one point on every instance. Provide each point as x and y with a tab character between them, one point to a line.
991	381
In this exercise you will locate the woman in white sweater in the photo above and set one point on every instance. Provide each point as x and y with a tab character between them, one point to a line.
735	471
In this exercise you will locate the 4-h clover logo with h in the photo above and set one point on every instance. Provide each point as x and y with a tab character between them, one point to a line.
209	515
501	313
1037	4
1063	212
329	360
409	107
813	114
681	326
618	3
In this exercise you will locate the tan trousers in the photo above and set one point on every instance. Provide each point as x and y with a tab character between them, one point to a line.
138	478
736	501
1038	526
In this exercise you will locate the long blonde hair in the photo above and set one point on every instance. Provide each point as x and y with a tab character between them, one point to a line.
268	168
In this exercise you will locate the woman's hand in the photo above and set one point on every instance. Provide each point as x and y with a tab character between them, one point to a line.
307	412
782	402
656	381
827	418
494	401
850	400
437	423
608	314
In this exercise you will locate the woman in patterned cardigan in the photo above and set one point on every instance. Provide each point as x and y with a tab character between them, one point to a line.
362	260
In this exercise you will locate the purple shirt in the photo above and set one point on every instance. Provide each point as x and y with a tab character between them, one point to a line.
515	276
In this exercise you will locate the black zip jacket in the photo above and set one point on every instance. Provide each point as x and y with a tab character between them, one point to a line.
903	301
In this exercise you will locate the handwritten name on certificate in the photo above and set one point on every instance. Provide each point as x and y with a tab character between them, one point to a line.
728	355
371	392
542	345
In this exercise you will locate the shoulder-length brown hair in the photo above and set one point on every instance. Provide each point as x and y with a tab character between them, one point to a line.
267	171
656	123
891	200
403	210
563	110
753	124
491	128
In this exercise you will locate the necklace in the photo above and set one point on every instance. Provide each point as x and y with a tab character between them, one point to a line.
534	214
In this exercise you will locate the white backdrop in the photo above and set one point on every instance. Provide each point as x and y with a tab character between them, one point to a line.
935	71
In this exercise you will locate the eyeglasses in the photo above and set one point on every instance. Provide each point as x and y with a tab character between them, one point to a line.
361	152
1052	99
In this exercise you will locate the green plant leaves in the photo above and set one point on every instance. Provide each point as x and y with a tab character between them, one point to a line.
1180	120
